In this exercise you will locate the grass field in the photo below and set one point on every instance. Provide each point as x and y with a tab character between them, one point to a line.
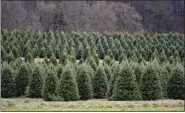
26	104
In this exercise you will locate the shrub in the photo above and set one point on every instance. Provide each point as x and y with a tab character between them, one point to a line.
7	82
84	82
50	85
126	87
150	84
35	83
67	88
21	80
100	84
176	84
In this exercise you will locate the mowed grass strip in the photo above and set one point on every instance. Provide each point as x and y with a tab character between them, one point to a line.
26	104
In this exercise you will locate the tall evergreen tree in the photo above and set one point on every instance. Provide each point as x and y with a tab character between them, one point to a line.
150	84
100	84
21	80
176	84
126	87
7	82
35	83
67	88
84	82
59	71
50	85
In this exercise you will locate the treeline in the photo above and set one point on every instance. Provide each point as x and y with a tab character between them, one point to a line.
112	16
78	46
92	65
80	81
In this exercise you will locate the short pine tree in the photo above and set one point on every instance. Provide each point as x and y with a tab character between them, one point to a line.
35	83
21	80
7	82
100	84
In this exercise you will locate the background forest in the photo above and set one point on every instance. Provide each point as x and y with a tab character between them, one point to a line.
111	16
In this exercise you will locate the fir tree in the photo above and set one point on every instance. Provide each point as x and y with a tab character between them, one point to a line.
35	83
100	84
67	88
150	84
50	85
84	82
176	84
21	80
7	82
126	87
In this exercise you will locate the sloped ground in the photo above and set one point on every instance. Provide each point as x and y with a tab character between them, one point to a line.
27	104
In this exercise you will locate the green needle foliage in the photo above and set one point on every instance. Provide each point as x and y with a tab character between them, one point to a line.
50	85
126	87
7	82
21	80
84	82
150	84
176	84
100	84
67	88
35	83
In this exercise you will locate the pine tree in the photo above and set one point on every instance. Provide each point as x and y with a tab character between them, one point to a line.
150	84
108	72
107	59
63	58
90	60
67	88
42	52
7	82
21	80
138	71
10	57
79	51
15	52
50	85
115	70
100	84
86	54
59	71
35	83
84	82
126	87
53	60
176	84
29	57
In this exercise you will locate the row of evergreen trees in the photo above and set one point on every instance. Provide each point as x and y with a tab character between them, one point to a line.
138	47
112	80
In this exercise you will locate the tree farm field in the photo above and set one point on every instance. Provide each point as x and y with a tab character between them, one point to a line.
27	104
74	71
